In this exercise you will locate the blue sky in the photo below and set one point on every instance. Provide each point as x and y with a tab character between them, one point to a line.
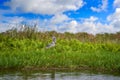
92	16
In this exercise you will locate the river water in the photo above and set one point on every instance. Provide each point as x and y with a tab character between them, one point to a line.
37	75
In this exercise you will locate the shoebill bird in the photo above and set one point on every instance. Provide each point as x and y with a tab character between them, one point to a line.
52	44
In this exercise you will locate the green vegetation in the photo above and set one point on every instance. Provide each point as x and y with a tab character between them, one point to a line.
26	48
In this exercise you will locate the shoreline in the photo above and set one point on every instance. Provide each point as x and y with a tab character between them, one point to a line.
63	69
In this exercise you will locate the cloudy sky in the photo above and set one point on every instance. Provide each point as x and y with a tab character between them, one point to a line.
92	16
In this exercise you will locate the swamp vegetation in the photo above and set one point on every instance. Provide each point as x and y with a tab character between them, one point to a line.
25	48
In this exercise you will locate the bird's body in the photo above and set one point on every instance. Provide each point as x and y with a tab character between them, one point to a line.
54	39
53	42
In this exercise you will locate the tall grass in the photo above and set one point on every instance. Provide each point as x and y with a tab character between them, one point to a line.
27	49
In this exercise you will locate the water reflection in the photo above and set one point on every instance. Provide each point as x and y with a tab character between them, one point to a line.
56	76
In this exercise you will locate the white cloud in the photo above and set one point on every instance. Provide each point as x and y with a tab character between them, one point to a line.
9	22
91	25
3	27
62	23
102	7
117	3
16	22
72	26
114	19
59	18
91	19
115	16
45	6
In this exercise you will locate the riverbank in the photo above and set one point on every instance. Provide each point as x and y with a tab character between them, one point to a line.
85	56
42	69
26	50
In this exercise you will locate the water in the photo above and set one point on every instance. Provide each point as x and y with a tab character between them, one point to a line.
19	75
